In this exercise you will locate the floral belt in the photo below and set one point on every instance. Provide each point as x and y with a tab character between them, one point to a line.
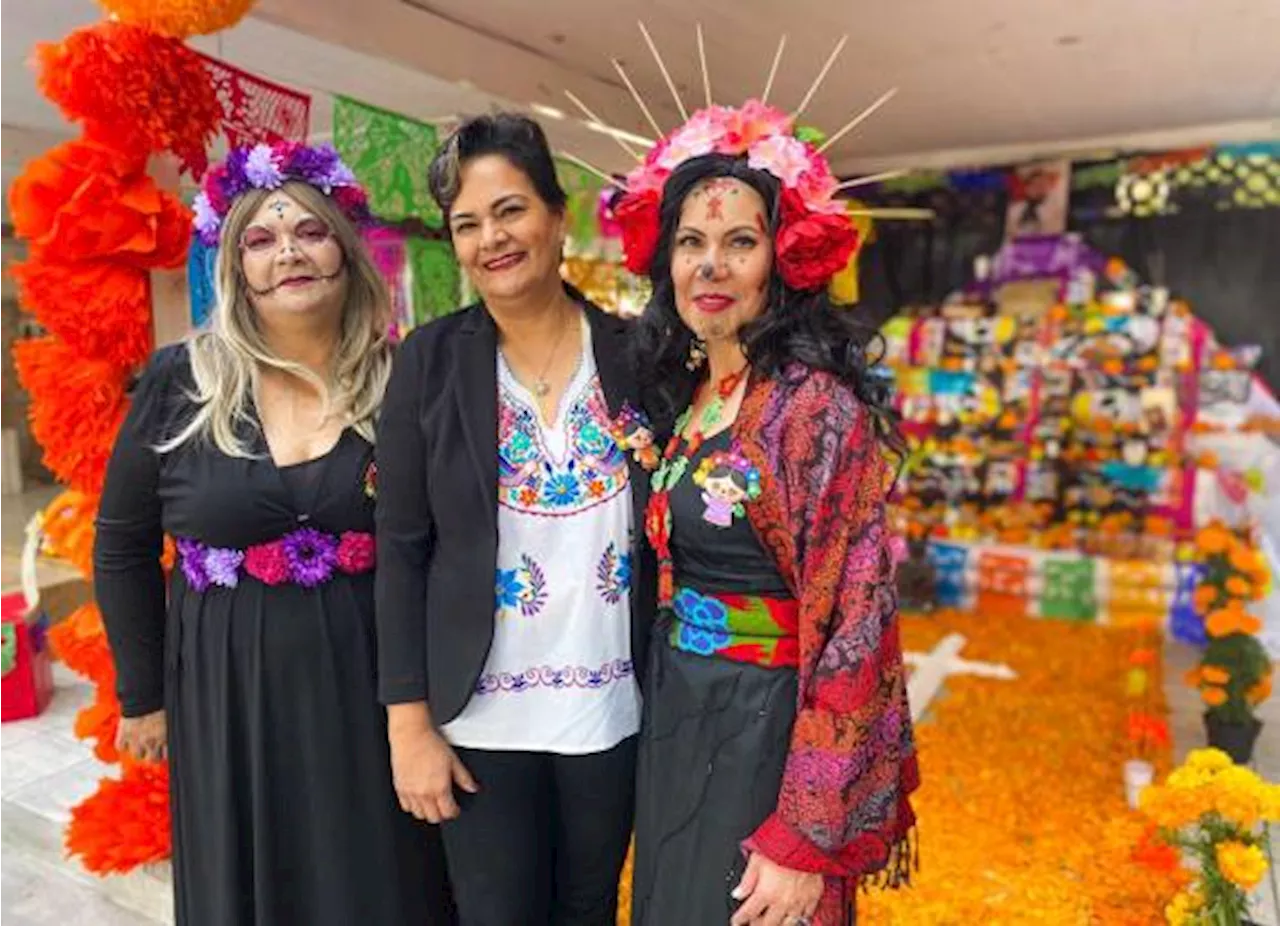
743	628
306	557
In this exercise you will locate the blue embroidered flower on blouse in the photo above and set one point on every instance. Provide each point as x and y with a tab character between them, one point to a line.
508	588
562	490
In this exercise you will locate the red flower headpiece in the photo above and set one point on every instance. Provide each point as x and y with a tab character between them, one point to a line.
815	237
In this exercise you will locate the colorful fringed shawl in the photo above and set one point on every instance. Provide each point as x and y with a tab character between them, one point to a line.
843	808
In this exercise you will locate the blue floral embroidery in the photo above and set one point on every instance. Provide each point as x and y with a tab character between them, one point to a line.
613	575
702	612
703	642
531	479
523	588
507	593
562	489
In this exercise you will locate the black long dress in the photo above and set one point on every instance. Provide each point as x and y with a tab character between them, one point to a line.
283	808
715	734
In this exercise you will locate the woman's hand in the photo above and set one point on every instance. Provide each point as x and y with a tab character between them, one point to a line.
145	738
425	768
775	896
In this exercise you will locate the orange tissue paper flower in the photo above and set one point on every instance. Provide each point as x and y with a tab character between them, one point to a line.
179	18
93	77
77	406
99	722
80	641
125	823
99	309
67	526
84	201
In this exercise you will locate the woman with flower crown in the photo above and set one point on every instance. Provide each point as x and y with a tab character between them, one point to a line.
252	669
777	755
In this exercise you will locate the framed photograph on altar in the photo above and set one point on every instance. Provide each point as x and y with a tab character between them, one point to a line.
1038	200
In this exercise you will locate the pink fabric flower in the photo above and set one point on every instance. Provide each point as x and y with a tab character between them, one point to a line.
785	157
267	563
357	552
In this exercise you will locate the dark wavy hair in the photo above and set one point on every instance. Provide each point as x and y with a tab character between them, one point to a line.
795	326
517	138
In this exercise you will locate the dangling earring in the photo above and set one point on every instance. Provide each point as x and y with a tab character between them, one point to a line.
697	355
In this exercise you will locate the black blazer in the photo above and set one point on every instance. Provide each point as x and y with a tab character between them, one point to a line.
437	501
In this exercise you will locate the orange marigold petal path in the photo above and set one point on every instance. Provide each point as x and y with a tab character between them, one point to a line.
1022	809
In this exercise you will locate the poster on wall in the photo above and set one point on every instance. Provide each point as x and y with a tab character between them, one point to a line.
1038	196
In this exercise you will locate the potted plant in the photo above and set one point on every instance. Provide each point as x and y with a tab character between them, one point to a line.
1210	812
1234	674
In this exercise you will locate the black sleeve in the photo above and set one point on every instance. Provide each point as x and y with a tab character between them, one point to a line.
406	533
127	577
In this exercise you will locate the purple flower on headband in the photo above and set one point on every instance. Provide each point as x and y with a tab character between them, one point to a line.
312	556
206	220
339	175
231	179
267	167
223	566
261	169
191	553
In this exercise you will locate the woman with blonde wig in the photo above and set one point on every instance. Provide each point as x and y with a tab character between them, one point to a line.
251	669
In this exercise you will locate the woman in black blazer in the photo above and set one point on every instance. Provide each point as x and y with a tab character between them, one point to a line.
514	595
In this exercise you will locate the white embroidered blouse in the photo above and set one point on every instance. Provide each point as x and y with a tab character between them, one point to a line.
559	676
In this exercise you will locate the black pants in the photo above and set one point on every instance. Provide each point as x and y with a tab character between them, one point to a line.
544	840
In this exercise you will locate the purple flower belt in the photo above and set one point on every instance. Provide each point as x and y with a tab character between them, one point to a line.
306	557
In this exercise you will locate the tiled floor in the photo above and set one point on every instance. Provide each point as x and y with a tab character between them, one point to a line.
44	772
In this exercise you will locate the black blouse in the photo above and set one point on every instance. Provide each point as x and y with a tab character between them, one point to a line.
710	558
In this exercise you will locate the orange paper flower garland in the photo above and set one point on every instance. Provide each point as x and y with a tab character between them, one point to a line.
97	224
96	308
77	404
179	18
92	75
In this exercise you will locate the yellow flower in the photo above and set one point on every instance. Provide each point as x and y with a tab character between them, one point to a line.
1208	759
1181	910
1270	802
1240	864
1170	807
1237	795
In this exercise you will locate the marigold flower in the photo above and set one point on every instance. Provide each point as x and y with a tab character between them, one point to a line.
1215	675
1214	697
1213	540
1242	865
1240	587
1209	759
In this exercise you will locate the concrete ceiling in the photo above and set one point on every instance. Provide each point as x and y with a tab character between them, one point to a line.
980	81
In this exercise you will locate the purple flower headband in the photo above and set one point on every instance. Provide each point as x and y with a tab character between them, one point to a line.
269	167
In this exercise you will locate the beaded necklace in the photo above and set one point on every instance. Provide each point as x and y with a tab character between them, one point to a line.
675	463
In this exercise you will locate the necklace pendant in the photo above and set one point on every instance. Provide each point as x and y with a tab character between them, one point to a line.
542	388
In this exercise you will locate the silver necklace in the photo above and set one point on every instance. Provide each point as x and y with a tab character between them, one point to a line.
541	387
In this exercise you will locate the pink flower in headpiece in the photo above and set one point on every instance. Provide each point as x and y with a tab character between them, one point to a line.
756	121
817	187
781	155
697	137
